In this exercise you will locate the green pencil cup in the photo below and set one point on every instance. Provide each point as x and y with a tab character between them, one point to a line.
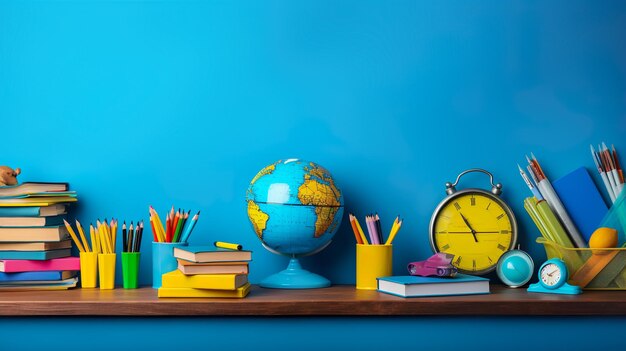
130	269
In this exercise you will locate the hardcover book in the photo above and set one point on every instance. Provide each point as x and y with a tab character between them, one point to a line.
42	285
30	221
34	255
33	211
211	254
36	276
191	268
36	246
32	187
176	279
55	264
190	292
28	234
416	286
36	201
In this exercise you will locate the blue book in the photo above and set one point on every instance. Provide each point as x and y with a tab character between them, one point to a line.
32	211
35	276
415	286
582	200
34	255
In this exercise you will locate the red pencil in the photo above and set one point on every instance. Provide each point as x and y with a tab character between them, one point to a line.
168	229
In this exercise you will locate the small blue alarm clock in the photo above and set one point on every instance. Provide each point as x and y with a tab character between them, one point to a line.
553	279
515	268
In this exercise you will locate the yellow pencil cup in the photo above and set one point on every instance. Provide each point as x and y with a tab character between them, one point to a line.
88	269
106	265
372	261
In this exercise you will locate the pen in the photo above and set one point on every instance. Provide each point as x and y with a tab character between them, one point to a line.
530	185
605	180
556	205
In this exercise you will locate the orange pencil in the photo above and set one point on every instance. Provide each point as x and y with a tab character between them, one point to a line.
355	230
175	223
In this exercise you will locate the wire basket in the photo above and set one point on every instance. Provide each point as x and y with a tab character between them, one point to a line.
591	269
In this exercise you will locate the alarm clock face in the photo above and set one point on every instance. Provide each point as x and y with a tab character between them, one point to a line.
476	227
550	275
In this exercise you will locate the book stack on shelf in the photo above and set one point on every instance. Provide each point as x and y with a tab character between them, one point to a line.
34	245
206	271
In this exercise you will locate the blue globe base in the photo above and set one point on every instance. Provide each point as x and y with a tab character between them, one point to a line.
294	277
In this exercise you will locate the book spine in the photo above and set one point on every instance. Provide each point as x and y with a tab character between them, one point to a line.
19	211
50	265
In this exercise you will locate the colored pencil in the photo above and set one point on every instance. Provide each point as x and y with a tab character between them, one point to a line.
187	233
599	166
124	238
82	236
74	237
394	231
355	230
529	183
131	237
379	229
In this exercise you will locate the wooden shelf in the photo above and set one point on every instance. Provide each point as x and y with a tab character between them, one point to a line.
334	301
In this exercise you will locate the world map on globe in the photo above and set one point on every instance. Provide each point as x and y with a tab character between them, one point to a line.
294	206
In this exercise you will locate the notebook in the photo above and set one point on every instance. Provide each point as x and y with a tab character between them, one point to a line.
582	200
415	286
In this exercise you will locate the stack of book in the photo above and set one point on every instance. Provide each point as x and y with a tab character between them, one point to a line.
34	245
205	271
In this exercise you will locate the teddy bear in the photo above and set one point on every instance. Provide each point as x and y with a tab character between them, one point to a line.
8	176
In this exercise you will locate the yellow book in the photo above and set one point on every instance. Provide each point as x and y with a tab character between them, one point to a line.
190	292
36	201
176	279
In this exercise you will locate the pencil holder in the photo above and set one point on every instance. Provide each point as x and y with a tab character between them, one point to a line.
130	269
163	260
106	266
88	269
372	261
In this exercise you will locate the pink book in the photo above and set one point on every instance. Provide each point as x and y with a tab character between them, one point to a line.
55	264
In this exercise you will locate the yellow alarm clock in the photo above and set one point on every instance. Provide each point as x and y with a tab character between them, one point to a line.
474	225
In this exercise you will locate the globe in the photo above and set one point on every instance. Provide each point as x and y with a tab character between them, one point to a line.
295	208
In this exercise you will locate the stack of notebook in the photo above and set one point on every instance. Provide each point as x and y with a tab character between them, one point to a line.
34	244
205	271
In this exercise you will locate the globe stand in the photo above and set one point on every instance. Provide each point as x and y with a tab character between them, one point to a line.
294	277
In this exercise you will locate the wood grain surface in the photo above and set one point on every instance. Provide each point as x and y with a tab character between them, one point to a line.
341	300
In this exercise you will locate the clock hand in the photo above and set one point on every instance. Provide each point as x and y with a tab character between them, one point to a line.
554	271
467	232
470	227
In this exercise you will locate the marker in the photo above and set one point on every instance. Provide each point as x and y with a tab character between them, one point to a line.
229	246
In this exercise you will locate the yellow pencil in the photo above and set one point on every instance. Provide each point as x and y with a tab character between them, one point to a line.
158	224
360	230
107	232
103	238
74	237
82	236
114	230
93	240
394	230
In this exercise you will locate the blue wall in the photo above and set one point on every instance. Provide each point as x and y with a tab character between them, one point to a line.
137	103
